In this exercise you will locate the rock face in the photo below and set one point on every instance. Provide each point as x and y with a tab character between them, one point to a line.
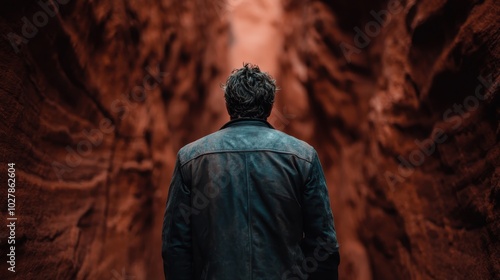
95	105
403	98
400	98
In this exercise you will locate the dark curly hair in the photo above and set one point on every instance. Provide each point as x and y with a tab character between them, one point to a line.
249	93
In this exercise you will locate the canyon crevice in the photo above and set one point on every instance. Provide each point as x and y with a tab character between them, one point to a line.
399	98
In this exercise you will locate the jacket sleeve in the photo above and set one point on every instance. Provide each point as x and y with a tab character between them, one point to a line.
176	232
319	244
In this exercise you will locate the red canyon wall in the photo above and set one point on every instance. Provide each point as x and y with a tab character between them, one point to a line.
405	115
98	100
94	108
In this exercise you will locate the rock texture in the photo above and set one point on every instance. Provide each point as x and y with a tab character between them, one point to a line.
400	98
403	99
94	108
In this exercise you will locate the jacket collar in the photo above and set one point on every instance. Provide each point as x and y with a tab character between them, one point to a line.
247	121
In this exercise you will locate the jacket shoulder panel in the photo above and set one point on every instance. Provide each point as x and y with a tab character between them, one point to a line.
247	139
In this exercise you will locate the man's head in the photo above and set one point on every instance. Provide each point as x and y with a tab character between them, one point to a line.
249	93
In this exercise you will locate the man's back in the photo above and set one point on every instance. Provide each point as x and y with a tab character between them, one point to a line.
248	202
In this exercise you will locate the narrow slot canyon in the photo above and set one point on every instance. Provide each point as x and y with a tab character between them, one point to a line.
399	97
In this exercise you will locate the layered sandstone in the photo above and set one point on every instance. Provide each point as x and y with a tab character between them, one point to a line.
403	98
400	98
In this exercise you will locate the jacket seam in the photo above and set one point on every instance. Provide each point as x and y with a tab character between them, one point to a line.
246	151
174	198
249	218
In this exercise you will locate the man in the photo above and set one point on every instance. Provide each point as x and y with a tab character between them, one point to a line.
248	201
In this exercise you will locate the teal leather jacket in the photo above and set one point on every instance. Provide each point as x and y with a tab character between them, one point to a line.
249	202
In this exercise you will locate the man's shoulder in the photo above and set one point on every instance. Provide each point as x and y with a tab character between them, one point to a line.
267	140
201	146
283	142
